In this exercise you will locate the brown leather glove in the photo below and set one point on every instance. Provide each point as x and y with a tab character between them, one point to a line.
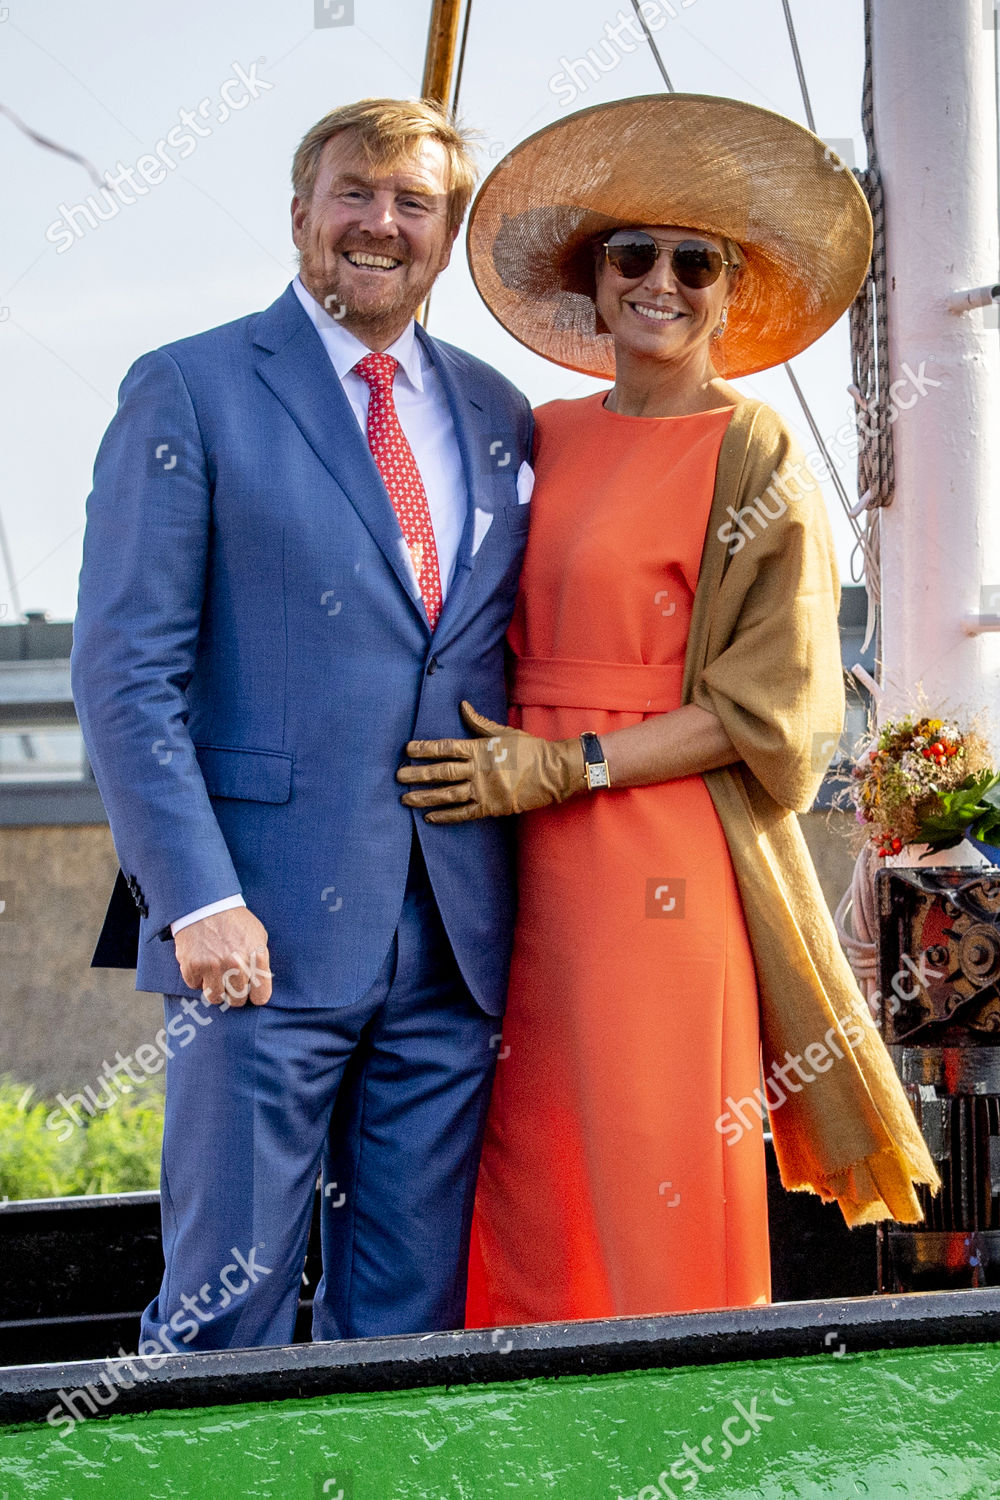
502	771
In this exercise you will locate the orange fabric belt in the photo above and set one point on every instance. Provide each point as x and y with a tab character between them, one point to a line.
618	687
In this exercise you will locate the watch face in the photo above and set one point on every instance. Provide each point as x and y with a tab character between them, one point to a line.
597	776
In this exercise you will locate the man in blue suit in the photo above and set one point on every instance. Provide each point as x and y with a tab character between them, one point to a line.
292	568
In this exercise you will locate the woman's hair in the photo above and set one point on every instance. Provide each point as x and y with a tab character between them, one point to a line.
733	253
387	131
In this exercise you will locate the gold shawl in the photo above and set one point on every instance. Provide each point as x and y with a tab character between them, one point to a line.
763	654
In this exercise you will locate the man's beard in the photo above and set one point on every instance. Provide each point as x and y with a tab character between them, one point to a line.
324	276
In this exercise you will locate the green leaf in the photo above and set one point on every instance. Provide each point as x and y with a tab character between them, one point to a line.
937	845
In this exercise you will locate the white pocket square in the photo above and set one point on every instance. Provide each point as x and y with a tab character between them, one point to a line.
525	483
482	520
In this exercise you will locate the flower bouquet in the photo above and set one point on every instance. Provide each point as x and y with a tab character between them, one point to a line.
926	781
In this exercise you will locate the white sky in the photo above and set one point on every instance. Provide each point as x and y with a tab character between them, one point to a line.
211	242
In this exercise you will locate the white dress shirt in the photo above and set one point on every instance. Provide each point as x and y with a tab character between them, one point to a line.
425	417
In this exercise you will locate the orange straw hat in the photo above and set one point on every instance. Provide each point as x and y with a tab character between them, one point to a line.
691	160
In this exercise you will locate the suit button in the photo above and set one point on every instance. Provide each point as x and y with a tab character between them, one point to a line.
432	665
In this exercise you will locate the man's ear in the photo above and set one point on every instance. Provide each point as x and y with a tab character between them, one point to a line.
299	211
449	247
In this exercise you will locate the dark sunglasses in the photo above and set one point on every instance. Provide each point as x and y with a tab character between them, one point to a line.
634	253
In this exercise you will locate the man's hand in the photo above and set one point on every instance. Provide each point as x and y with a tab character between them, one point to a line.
502	771
225	956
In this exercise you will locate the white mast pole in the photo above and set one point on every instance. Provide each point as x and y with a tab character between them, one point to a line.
936	137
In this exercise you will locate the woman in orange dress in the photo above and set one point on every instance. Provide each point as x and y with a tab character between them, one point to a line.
604	1187
610	1180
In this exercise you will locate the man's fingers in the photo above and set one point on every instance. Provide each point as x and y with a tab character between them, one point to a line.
438	796
225	956
216	995
261	988
440	749
245	978
445	770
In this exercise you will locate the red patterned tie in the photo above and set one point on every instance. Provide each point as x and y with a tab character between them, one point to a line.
401	477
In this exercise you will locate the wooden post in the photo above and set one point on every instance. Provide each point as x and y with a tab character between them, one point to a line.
439	66
442	44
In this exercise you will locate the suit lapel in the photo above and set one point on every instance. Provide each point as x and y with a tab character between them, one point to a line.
292	361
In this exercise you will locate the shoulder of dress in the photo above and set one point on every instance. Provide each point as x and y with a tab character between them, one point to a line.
562	408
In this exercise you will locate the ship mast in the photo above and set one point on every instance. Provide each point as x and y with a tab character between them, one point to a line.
935	122
442	45
439	71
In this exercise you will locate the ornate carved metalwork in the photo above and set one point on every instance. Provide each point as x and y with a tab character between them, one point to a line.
939	959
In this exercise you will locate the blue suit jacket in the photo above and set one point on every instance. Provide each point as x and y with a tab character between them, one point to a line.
250	658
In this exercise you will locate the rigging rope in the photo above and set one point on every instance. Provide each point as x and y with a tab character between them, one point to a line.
857	923
636	6
50	145
424	311
461	60
866	541
821	441
870	360
793	39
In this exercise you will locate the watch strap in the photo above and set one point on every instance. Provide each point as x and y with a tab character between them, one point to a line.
594	763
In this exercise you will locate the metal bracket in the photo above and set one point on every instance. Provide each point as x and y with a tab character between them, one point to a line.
977	296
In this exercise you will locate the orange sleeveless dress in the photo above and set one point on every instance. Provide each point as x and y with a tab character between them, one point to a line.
605	1187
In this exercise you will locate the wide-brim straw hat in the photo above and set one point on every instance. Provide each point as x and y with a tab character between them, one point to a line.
692	160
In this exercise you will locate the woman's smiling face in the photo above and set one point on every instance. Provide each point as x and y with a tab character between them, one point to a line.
654	316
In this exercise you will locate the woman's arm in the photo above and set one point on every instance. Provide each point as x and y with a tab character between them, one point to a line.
506	771
684	742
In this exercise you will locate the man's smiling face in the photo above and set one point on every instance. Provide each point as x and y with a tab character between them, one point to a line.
372	240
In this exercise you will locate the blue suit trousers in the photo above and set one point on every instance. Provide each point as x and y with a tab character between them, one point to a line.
388	1095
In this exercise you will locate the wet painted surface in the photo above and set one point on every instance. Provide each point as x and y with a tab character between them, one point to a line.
919	1422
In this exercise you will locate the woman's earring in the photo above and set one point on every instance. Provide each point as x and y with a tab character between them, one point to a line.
718	331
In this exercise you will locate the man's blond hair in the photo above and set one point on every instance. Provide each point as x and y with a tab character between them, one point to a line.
387	131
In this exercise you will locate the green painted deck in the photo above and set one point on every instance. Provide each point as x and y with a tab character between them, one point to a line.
915	1422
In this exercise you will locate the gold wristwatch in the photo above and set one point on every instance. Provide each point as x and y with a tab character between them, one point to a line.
594	765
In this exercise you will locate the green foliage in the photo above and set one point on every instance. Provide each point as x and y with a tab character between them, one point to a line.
116	1151
33	1162
971	810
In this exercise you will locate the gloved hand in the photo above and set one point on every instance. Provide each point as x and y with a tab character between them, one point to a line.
502	771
